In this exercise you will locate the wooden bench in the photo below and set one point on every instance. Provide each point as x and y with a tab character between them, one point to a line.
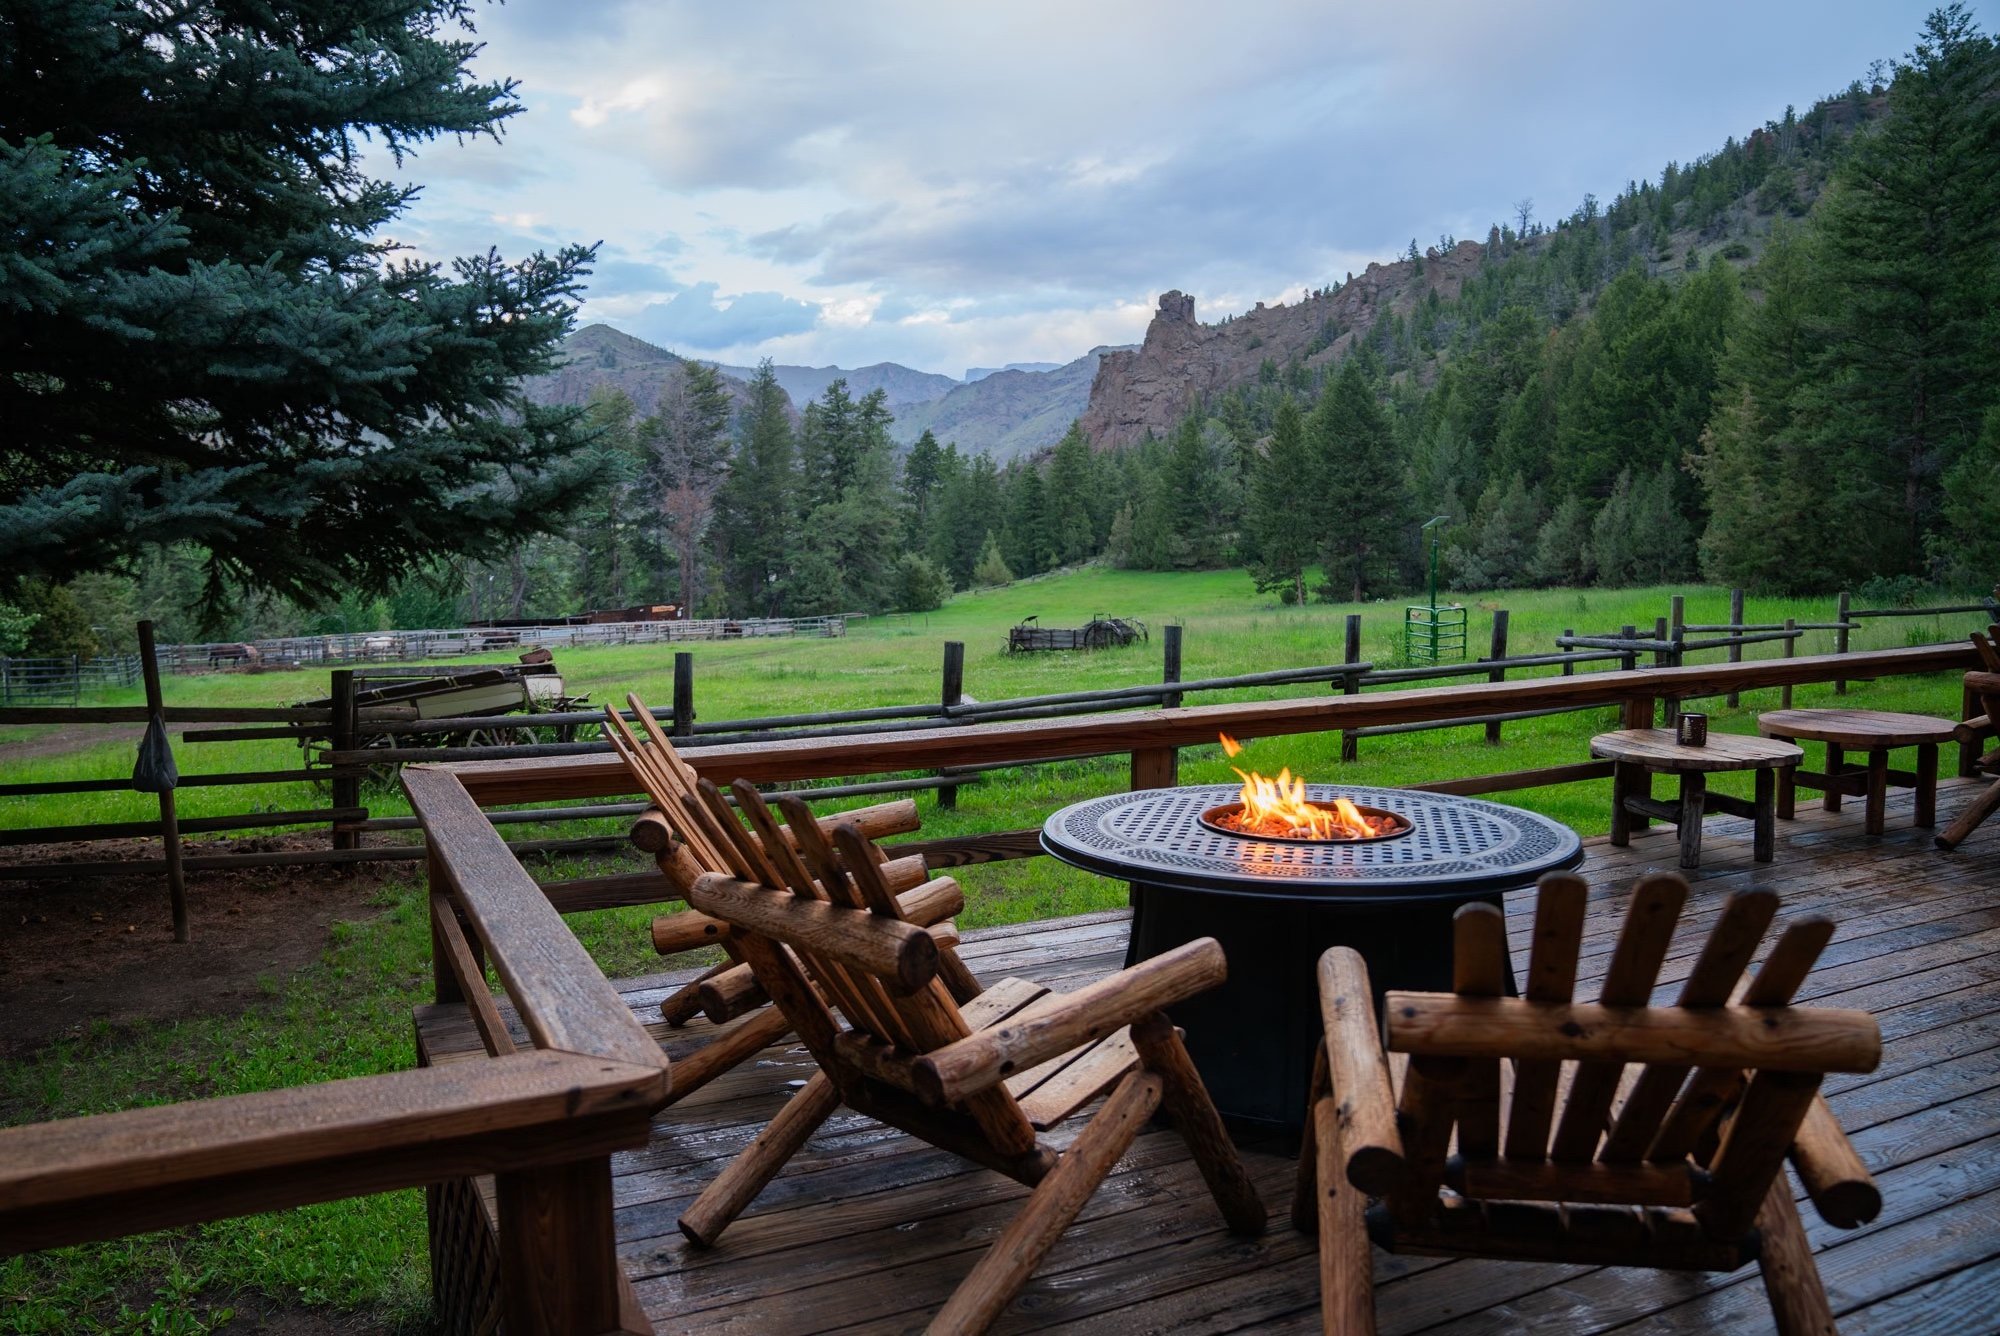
1874	732
1640	753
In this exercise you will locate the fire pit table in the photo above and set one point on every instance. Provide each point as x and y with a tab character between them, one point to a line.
1277	904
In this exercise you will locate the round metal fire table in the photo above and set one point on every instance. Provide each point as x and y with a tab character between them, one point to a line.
1277	905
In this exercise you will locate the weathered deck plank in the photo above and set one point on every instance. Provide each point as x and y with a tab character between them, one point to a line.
870	1230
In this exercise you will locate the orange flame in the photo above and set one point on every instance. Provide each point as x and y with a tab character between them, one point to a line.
1279	807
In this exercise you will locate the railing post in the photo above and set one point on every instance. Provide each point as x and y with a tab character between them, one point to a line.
1735	630
1350	685
1498	652
1628	633
170	833
1791	647
346	788
683	694
1159	767
1569	668
1840	639
951	691
559	1269
444	979
1670	706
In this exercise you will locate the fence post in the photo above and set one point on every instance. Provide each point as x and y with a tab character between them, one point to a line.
346	788
170	829
1569	669
1171	670
683	694
1498	651
1735	630
1630	661
1670	706
1840	639
1350	685
1791	646
951	691
1159	767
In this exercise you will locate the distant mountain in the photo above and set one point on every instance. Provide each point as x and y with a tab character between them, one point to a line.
1006	413
899	383
600	355
973	373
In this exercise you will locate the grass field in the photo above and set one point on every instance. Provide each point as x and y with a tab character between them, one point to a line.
349	1013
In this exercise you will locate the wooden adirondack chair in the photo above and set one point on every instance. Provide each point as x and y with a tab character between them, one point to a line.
1685	1173
859	983
685	852
1985	689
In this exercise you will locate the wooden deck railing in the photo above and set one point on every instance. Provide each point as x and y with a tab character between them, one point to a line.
542	1119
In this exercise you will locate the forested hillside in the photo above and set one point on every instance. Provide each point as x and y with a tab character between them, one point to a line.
1773	366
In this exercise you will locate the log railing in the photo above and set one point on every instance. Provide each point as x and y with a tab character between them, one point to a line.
1152	738
542	1115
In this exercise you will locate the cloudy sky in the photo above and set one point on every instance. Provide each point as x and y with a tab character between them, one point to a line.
967	184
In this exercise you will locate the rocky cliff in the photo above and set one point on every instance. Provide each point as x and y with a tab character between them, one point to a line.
1148	388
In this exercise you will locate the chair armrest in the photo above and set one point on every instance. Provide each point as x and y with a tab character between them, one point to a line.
1973	729
1061	1022
1358	1072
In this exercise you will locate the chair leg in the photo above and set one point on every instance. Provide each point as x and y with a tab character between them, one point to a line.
1962	825
725	1199
1836	766
1305	1187
1621	818
1346	1259
1763	827
982	1296
1694	801
1791	1279
1193	1112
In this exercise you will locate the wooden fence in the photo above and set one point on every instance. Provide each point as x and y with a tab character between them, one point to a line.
352	739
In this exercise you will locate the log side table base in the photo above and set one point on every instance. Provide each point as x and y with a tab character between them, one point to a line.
1847	731
1632	807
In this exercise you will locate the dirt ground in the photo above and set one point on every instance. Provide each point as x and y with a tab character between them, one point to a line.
103	948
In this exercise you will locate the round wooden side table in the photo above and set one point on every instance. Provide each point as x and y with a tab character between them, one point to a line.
1874	732
1641	753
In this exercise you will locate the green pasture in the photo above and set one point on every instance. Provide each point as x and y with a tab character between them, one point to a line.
348	1014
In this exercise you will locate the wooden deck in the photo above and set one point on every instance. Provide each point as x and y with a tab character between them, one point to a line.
870	1230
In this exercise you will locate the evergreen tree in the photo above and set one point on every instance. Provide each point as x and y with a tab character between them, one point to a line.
206	339
1563	551
923	475
1025	536
609	523
690	447
1282	519
1072	485
1910	245
920	585
756	508
1505	525
991	569
1364	507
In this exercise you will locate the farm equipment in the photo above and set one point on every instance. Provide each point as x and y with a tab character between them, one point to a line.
1101	632
443	708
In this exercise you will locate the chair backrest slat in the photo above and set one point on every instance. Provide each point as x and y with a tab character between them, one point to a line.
1711	1089
1724	957
1551	978
1628	982
1479	969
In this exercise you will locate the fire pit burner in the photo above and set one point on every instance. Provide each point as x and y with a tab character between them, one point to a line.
1224	820
1276	904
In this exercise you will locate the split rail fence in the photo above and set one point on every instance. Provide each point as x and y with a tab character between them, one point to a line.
352	740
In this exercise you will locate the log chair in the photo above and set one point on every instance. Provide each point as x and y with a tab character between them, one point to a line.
859	983
1984	688
1686	1173
686	851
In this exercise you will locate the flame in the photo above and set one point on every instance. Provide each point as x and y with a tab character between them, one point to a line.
1279	807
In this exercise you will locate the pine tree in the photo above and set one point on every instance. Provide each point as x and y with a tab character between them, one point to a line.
690	448
1910	238
1283	520
991	569
1072	485
923	474
756	508
1563	553
207	339
1363	505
